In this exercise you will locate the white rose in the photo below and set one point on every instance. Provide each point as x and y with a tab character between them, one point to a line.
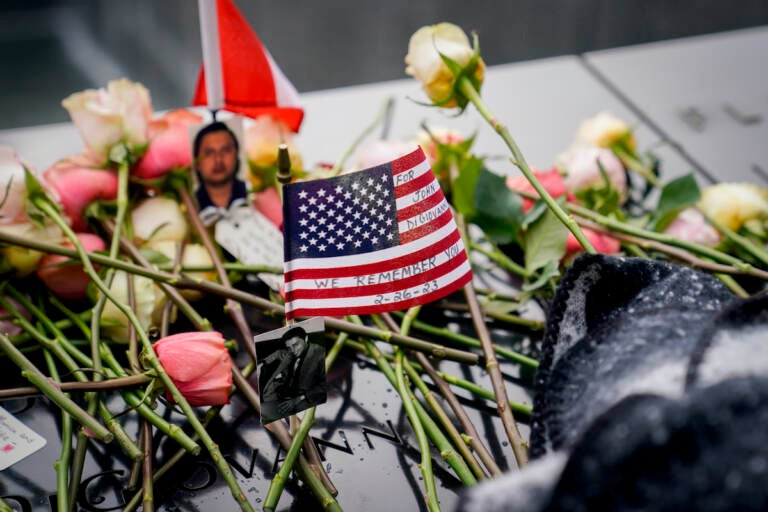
13	188
377	152
425	64
159	218
733	204
149	305
105	117
603	130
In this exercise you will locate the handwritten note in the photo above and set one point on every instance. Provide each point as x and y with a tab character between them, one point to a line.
17	441
253	240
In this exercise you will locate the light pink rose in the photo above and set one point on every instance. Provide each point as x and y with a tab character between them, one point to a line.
691	225
13	188
199	365
169	145
429	141
582	171
268	203
377	152
65	277
76	187
105	117
552	181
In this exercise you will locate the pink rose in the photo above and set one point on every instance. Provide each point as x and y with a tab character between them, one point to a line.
106	117
65	277
582	170
76	187
268	203
552	182
691	225
603	244
199	365
169	145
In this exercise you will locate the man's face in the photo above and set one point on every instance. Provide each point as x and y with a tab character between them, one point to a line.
295	345
217	158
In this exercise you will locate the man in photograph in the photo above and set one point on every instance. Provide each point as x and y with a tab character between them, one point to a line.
293	377
217	161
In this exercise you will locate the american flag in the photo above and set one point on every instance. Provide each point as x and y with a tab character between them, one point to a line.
381	239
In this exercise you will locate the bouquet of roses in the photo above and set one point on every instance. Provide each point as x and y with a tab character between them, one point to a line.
104	249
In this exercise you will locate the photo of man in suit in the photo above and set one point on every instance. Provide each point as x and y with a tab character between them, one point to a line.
292	377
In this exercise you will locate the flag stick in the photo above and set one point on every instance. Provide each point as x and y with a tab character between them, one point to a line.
209	37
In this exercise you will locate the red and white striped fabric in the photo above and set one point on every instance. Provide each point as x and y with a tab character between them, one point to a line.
253	84
381	239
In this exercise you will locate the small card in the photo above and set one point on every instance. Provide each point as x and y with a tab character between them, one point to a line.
290	367
252	238
17	441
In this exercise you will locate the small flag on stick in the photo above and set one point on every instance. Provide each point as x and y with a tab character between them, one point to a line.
253	83
381	239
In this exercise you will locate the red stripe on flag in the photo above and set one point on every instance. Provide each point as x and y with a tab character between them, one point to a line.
416	233
422	206
415	184
407	162
373	268
380	308
374	289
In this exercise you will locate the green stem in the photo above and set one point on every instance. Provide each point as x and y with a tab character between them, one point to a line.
61	465
499	258
103	385
31	373
743	242
534	325
279	480
218	459
426	457
468	90
452	379
469	341
632	162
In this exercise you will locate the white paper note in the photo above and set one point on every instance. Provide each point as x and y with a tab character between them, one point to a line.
17	440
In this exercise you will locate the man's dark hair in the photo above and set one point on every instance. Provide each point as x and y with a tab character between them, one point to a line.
216	126
294	332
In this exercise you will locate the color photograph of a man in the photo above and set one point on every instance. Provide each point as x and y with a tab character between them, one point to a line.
291	370
216	151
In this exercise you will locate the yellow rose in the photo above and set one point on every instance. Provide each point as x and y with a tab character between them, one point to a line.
263	136
106	117
150	301
425	64
733	204
20	260
194	255
603	130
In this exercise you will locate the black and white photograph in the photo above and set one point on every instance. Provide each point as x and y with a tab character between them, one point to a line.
291	369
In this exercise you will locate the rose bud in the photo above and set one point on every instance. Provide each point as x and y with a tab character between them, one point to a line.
426	65
603	130
13	188
552	181
65	277
169	145
199	365
76	187
106	117
159	218
150	301
690	225
733	204
582	170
